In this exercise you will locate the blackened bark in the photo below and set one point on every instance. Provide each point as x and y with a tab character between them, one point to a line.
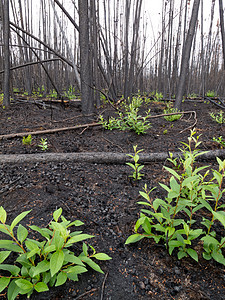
6	99
222	28
186	54
87	102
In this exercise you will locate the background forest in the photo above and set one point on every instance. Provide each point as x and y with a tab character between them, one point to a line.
58	48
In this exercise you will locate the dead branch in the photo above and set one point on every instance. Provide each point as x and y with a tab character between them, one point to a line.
101	157
21	134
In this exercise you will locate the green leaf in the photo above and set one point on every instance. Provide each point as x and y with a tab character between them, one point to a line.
3	215
41	267
4	281
41	287
22	233
102	256
78	238
5	229
57	214
13	290
61	278
193	254
220	215
85	249
41	231
18	219
4	255
134	238
24	285
79	269
14	270
73	259
174	173
56	262
181	254
76	223
91	264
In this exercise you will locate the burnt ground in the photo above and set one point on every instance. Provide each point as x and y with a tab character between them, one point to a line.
105	199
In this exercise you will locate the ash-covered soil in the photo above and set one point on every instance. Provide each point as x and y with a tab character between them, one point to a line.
105	199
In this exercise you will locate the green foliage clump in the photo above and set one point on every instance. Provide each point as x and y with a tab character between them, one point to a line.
170	110
219	118
211	94
129	119
220	141
27	140
43	264
136	166
71	93
173	219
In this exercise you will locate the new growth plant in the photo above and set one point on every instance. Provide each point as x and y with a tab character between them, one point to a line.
170	110
219	117
211	94
174	219
129	118
43	144
220	141
27	140
135	166
44	262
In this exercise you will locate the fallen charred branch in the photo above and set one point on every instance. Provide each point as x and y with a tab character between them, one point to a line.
101	157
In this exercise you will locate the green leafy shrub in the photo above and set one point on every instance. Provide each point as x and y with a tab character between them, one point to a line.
27	140
220	141
219	118
211	94
129	119
173	219
43	264
136	166
170	110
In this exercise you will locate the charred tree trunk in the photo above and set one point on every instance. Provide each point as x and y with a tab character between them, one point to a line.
6	99
85	63
186	54
222	28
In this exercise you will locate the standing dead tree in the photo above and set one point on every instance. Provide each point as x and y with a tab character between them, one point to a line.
85	63
6	99
186	54
222	27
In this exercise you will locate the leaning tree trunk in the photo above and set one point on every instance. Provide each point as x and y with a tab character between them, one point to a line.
85	63
186	54
6	99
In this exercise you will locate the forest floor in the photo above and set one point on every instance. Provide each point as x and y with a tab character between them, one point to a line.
104	197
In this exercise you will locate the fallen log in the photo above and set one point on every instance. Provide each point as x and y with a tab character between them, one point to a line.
100	157
22	134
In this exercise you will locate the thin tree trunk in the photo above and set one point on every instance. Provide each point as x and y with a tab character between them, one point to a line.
222	28
87	102
6	99
186	54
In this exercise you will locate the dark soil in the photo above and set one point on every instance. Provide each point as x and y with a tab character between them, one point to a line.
105	199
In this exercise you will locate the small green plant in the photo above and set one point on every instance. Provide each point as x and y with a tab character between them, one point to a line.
71	93
27	140
136	166
174	220
220	141
211	94
43	264
219	118
43	144
192	95
129	119
170	110
53	94
165	131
